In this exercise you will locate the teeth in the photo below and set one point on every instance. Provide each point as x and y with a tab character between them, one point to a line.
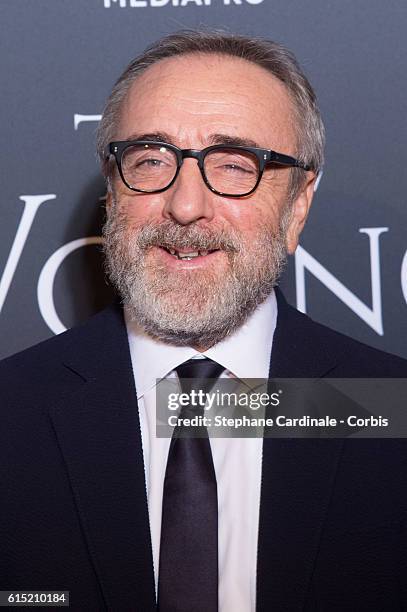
187	256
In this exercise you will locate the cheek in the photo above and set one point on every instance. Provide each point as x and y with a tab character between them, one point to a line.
248	215
139	208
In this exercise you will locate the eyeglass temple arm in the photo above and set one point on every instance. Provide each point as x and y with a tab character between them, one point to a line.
286	160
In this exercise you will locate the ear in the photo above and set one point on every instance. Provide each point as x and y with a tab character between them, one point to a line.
299	212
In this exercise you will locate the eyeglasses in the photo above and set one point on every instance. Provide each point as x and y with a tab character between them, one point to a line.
235	171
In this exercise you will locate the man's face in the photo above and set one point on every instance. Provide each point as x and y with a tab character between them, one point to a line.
193	102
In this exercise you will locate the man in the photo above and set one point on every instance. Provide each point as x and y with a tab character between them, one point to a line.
211	145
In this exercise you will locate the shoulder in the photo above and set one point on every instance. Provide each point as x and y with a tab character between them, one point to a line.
63	361
300	338
366	359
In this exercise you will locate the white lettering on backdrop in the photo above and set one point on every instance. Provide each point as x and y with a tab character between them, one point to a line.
160	3
45	287
371	316
32	204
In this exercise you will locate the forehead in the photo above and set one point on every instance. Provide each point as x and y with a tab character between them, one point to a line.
193	96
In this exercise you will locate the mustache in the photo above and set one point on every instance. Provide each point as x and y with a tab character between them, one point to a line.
172	235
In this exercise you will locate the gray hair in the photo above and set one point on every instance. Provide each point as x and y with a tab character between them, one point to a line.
272	56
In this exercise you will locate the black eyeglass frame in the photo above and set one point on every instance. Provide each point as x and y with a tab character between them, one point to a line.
264	157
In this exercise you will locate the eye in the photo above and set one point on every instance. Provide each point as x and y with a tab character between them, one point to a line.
232	162
147	158
238	168
154	163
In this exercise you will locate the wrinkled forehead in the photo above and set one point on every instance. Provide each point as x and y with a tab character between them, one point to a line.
200	93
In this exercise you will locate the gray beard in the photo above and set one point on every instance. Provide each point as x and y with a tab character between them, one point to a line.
198	308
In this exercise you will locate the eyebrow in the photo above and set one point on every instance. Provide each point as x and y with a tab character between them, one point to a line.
155	136
213	139
236	141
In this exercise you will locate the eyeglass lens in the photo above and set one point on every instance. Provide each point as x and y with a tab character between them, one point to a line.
151	167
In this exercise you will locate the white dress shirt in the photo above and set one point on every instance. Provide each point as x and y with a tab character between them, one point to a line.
237	461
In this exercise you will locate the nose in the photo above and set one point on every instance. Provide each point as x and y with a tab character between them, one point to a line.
189	199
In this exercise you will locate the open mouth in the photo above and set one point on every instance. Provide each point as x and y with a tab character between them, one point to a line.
185	255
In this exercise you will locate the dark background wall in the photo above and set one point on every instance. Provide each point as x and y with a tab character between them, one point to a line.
58	61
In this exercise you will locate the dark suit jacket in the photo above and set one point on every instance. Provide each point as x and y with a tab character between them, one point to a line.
332	534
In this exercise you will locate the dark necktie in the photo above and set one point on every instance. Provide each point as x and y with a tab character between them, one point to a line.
188	570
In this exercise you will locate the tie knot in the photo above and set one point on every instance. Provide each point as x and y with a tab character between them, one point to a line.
198	374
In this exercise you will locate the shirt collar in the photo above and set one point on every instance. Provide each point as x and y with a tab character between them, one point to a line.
245	353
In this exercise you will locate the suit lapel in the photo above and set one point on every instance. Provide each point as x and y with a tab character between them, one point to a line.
297	476
98	431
